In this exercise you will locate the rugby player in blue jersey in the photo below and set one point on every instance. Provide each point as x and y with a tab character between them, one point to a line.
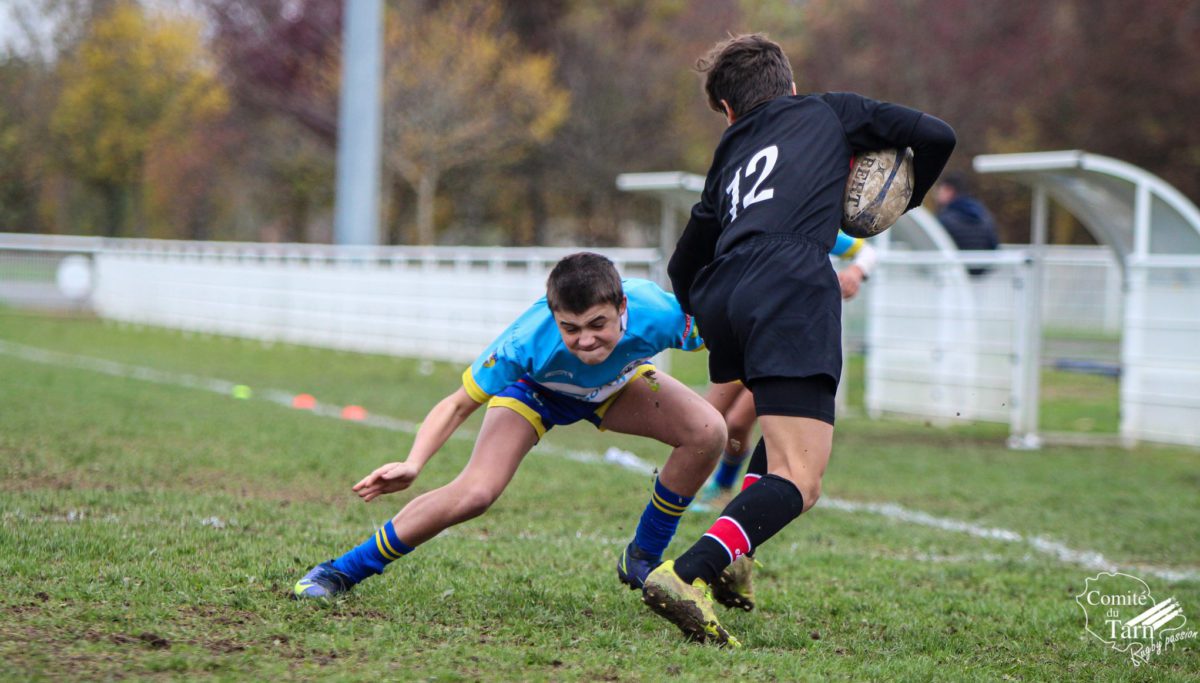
581	353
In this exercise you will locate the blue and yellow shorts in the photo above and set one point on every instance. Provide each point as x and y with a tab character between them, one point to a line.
544	409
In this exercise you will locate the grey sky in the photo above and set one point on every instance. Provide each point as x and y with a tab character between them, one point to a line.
13	35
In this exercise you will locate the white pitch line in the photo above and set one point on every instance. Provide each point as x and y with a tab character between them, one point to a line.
1089	559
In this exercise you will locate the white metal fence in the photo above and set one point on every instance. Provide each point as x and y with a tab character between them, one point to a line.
1082	289
432	302
1160	354
941	344
949	346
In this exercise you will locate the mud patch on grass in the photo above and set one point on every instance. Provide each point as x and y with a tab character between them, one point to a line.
220	616
224	646
151	640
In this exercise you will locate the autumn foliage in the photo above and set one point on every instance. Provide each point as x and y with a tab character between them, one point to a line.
506	121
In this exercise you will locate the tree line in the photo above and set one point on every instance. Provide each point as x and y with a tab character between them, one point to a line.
506	121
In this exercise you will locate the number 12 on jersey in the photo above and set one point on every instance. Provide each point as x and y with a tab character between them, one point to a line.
768	156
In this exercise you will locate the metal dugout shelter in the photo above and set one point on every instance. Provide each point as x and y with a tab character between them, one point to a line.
1155	233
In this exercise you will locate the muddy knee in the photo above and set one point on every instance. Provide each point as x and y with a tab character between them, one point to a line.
708	437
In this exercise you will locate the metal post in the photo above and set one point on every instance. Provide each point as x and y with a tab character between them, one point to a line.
360	125
1133	334
668	235
1027	387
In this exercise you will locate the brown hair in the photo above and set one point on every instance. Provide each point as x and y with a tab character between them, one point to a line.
745	71
583	280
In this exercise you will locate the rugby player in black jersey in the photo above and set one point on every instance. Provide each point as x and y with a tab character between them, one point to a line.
753	266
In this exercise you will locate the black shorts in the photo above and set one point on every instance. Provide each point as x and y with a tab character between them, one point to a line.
771	308
795	397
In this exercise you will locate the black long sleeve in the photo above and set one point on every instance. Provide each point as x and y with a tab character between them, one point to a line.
872	124
932	142
694	250
792	151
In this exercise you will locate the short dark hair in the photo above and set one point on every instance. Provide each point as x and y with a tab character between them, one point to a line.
957	181
745	71
583	280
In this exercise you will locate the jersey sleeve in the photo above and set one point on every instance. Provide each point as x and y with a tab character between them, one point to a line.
496	368
692	341
684	334
846	247
871	124
666	325
696	247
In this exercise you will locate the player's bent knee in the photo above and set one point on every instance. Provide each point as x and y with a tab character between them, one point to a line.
808	486
739	437
473	502
740	429
811	490
708	437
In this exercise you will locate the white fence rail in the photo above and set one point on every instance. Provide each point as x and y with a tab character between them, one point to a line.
1160	356
1082	289
435	302
940	344
945	345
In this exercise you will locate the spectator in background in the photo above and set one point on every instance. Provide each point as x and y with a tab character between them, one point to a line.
969	223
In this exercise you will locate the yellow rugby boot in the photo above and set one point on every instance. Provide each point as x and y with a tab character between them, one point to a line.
688	606
733	587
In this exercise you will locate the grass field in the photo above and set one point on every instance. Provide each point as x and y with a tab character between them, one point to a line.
151	530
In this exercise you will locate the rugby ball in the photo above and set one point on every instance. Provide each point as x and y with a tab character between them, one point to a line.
877	192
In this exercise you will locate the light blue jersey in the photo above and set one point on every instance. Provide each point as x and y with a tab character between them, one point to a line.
532	347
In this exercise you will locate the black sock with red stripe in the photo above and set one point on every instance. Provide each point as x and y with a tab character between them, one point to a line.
755	515
756	470
758	465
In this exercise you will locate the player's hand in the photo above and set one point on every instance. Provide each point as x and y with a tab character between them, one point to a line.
389	478
850	280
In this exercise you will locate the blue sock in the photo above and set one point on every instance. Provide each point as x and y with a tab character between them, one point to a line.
659	521
372	555
727	470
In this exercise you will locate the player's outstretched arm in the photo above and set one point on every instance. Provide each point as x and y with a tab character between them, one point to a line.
439	424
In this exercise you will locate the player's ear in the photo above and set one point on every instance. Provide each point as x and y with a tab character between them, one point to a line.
621	311
793	87
730	117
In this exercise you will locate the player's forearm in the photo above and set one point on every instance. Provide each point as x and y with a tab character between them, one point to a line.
932	143
694	250
865	260
439	425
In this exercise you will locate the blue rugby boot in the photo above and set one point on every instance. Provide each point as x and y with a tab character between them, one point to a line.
635	565
322	581
712	497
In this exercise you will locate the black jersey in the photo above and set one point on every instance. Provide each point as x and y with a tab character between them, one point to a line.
753	263
782	168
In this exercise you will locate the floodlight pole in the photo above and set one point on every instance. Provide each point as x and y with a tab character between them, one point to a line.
360	125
